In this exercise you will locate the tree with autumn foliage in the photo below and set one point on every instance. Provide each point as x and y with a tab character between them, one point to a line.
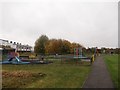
57	46
54	46
40	44
66	46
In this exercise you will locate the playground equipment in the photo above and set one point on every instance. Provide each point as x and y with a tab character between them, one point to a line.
78	57
17	60
79	54
14	60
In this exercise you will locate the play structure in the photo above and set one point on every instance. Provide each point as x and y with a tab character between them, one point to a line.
13	58
78	57
79	54
17	60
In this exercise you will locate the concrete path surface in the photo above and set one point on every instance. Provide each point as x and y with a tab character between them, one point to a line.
99	76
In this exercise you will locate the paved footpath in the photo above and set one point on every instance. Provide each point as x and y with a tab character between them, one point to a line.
99	76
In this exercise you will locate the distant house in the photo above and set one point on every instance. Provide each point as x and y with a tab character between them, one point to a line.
6	45
112	51
3	42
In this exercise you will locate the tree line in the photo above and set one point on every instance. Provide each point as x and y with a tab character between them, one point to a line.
44	45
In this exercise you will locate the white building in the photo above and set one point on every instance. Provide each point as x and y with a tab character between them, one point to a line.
3	42
14	45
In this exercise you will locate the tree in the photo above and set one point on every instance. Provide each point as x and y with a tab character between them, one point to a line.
53	46
40	43
66	45
60	46
57	46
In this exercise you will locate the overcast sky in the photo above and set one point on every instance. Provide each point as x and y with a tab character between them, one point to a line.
88	23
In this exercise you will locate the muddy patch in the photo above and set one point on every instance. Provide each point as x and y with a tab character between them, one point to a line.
22	74
18	79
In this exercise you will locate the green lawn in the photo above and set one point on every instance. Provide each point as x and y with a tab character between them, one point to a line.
112	64
53	75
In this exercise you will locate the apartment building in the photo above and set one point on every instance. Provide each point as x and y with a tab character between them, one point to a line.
5	44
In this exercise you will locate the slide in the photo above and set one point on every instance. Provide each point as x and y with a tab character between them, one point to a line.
15	60
19	61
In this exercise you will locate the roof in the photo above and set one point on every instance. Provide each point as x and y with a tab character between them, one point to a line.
4	40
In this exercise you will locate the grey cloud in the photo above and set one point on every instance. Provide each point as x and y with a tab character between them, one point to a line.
92	24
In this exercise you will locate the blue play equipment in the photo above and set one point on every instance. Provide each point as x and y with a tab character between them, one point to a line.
78	54
14	60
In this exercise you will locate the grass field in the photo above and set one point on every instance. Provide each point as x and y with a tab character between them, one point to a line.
53	75
112	64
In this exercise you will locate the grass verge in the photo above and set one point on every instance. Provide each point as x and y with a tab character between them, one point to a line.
112	65
53	75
